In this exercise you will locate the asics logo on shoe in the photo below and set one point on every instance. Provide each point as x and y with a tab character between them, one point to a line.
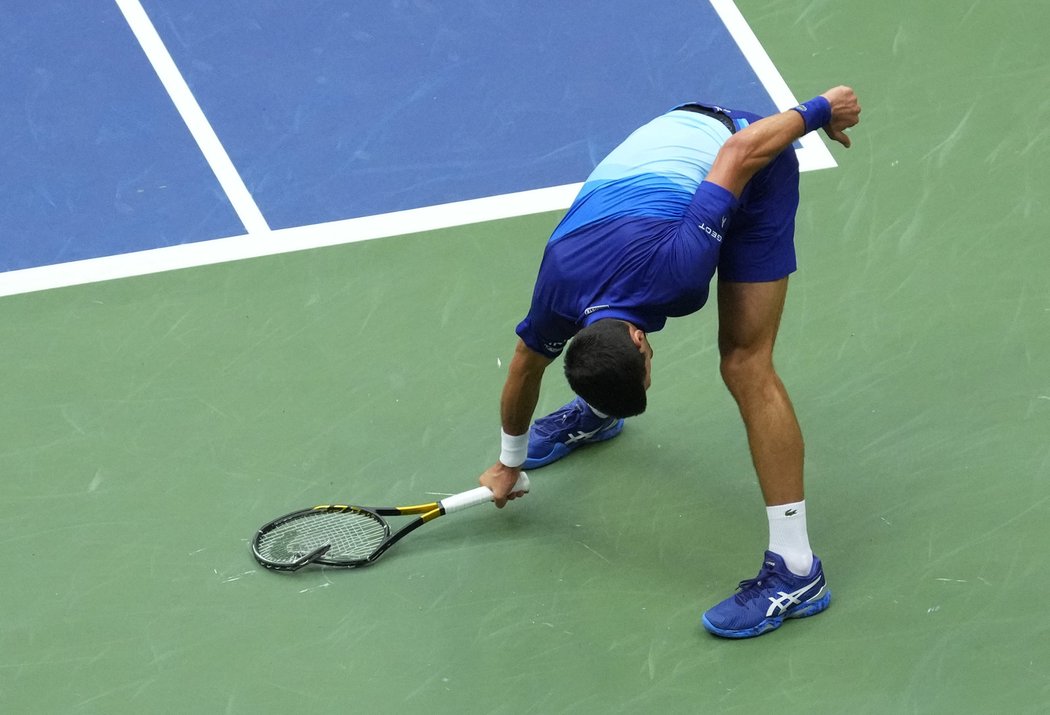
783	601
581	435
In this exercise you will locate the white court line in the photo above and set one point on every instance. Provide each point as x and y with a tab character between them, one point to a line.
191	113
260	240
287	240
814	153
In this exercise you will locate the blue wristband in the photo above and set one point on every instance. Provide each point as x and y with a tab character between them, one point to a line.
816	113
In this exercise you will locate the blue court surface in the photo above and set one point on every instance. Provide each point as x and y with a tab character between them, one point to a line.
326	110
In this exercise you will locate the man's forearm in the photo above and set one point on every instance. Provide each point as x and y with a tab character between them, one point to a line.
770	136
754	147
521	391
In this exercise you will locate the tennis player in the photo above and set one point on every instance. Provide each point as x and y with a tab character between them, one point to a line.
697	190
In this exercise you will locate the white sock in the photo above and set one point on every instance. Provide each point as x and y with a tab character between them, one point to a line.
788	536
599	415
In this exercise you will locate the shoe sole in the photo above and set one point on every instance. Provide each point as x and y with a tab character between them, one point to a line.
560	450
810	608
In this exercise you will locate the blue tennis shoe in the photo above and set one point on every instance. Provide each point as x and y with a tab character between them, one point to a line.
765	601
554	436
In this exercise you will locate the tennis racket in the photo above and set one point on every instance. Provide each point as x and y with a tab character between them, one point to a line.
350	536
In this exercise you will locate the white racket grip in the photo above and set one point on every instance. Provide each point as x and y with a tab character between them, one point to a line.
481	495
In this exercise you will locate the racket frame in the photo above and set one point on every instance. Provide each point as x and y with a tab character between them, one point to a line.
425	513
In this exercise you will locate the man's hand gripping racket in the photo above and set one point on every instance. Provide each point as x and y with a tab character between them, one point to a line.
348	536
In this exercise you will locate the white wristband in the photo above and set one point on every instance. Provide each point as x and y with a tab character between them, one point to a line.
513	449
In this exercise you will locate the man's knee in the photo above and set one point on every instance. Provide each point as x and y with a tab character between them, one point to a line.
747	372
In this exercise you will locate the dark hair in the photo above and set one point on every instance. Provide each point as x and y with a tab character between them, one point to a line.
606	368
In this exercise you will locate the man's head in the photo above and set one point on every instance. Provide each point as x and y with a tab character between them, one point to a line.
608	365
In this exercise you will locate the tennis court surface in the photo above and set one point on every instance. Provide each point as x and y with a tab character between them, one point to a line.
196	337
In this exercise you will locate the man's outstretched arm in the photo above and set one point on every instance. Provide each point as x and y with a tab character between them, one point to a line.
521	392
753	147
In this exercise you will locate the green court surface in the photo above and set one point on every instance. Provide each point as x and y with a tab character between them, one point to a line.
151	424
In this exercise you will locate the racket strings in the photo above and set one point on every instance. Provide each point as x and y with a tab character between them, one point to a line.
352	535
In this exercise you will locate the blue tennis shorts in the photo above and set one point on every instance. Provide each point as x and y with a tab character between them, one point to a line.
760	243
